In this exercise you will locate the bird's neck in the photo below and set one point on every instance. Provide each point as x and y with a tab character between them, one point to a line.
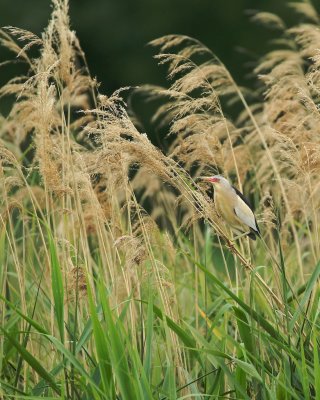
225	194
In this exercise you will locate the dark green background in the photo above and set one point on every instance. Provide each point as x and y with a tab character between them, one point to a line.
114	33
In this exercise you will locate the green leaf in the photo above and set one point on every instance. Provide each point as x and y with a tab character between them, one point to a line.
149	332
241	376
69	357
185	337
57	285
316	364
32	322
117	351
32	361
311	283
248	369
102	348
304	373
244	329
254	314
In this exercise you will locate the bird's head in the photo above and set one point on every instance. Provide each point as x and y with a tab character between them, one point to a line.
217	181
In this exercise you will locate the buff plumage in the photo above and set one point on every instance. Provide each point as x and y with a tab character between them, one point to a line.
233	207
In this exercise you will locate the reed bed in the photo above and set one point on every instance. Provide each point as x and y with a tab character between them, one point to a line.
118	278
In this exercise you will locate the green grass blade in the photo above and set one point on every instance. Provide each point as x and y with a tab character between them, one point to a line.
254	314
57	285
304	373
316	364
32	361
102	346
30	321
69	357
244	329
149	332
310	285
185	337
118	353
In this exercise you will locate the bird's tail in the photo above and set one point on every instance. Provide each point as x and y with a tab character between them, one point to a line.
253	234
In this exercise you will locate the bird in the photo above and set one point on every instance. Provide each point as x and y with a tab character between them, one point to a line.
233	207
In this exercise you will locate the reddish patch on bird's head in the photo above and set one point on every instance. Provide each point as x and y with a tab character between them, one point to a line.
214	179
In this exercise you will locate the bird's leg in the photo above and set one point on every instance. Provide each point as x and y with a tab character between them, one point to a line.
240	236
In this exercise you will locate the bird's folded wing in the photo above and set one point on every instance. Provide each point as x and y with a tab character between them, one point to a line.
245	214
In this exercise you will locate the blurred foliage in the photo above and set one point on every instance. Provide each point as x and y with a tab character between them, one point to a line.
114	35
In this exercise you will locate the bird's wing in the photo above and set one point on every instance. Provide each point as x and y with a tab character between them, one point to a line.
242	197
245	211
245	214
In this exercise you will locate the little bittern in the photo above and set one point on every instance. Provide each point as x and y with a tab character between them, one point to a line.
233	207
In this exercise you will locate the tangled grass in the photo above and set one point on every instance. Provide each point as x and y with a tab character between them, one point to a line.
118	279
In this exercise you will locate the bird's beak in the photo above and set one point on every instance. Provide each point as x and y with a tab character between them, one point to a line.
209	179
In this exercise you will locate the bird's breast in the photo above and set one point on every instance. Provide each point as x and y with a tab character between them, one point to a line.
224	205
